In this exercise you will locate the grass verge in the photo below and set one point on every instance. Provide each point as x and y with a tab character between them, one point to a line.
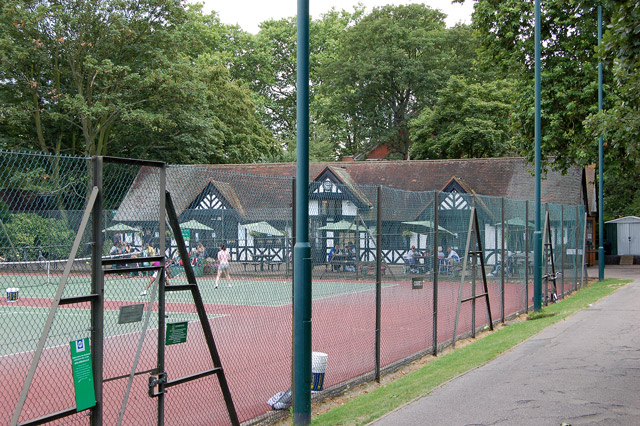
369	406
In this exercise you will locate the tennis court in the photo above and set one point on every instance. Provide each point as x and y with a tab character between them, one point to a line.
237	314
253	291
251	322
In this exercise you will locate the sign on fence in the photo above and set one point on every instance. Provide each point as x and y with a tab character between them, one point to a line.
82	374
176	333
130	313
417	283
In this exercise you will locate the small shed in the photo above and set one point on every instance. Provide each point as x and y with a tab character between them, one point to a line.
627	230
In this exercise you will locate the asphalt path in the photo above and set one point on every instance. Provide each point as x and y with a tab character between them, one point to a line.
584	370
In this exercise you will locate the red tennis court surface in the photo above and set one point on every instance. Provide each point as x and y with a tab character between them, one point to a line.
255	347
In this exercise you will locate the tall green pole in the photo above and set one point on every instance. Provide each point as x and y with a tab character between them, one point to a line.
537	235
600	164
302	249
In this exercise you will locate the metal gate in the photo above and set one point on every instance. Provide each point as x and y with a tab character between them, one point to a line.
135	350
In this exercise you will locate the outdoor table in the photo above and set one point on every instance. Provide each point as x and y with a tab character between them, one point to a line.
343	260
262	258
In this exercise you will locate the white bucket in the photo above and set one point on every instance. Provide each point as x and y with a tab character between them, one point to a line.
318	369
12	294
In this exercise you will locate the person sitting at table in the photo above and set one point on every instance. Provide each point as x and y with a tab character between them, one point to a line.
452	257
201	252
116	251
410	260
198	255
498	266
335	251
417	255
350	252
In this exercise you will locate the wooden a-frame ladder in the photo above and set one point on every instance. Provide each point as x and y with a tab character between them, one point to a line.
474	251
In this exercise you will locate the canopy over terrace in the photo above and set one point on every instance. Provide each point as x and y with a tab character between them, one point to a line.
263	228
121	227
428	224
343	226
195	225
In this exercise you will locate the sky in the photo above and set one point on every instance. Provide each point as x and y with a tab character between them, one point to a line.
250	13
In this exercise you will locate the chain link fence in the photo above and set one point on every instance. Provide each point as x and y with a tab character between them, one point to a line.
425	269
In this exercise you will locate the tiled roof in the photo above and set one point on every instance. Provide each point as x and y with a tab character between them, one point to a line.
501	177
266	188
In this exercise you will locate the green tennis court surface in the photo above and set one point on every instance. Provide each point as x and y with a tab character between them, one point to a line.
249	292
20	326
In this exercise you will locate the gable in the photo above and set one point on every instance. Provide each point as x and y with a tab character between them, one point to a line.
334	184
327	185
453	200
210	199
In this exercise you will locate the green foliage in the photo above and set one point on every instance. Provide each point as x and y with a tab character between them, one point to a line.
267	63
386	68
33	232
619	123
568	62
5	214
124	77
469	120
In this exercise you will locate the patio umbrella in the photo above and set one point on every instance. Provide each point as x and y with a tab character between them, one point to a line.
194	224
343	225
121	227
428	224
516	221
263	228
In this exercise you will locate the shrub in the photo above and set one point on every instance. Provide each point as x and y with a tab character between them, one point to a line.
31	232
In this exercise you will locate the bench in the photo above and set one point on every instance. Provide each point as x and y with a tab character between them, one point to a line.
271	265
254	263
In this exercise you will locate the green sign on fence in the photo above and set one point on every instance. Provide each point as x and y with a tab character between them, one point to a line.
186	234
176	333
82	374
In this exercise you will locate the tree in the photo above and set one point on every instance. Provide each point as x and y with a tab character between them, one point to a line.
210	119
267	63
387	68
619	123
34	233
121	76
469	120
78	67
568	62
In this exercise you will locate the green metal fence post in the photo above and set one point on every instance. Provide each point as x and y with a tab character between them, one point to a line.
537	236
436	269
97	305
302	250
562	250
600	165
577	264
378	278
161	291
503	262
526	256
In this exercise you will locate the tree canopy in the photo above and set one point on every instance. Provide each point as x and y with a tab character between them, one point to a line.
469	120
160	79
95	77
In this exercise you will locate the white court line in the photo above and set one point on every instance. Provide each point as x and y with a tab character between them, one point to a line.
209	316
